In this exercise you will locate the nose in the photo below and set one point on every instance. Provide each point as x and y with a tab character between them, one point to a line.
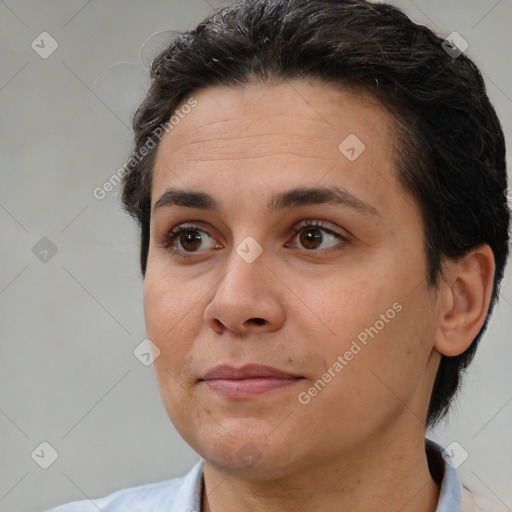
248	300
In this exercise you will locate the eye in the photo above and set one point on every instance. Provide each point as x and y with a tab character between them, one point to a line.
186	239
190	237
311	238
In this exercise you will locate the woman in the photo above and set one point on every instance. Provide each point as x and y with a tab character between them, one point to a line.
312	179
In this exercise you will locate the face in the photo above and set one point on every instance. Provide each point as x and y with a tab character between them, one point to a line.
323	293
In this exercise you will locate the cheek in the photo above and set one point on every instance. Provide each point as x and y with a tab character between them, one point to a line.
379	326
349	304
171	318
173	332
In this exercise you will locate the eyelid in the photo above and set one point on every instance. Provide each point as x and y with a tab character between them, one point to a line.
320	224
169	238
170	235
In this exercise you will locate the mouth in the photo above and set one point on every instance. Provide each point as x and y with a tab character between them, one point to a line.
247	381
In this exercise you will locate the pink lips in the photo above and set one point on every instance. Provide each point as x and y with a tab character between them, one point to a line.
251	379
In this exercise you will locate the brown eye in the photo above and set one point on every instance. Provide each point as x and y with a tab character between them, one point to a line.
185	240
311	238
312	235
190	240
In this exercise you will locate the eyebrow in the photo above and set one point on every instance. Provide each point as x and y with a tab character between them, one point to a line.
294	198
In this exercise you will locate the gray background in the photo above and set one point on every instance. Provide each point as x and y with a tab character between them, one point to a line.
69	325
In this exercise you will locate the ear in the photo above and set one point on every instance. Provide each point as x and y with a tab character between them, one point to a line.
463	300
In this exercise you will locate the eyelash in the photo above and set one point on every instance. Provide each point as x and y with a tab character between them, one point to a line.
168	240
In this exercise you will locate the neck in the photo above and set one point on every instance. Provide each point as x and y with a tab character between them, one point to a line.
394	476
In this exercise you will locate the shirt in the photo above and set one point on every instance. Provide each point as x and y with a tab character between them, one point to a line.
184	494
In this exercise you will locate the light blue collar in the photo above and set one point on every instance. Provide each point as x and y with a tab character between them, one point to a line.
450	495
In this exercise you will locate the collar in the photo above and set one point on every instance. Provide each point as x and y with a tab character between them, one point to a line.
443	472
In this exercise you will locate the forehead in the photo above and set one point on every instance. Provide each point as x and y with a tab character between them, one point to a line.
268	136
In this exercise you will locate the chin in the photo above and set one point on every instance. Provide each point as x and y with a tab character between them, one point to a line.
244	445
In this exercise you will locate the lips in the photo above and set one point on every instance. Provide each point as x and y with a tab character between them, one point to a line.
251	379
249	371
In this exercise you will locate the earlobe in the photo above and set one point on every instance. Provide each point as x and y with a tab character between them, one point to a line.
464	298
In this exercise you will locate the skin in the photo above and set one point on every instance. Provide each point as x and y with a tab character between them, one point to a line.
359	443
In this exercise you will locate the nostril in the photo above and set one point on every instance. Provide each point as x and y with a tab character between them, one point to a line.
258	321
